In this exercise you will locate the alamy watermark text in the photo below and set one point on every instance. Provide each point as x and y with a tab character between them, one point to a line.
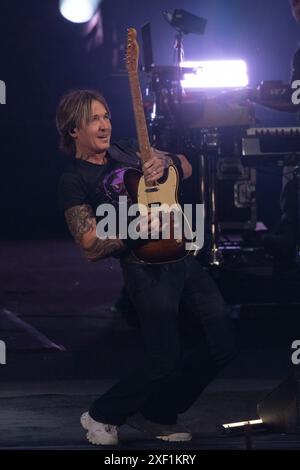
2	92
2	352
164	219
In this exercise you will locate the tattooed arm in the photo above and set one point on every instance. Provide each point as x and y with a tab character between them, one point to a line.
82	225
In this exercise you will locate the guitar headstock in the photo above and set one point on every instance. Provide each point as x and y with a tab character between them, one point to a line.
132	51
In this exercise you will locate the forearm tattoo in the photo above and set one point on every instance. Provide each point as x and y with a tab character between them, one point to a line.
81	220
104	248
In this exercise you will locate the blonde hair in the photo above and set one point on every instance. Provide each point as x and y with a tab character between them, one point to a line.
74	109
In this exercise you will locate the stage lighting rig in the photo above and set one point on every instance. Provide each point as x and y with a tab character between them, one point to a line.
185	22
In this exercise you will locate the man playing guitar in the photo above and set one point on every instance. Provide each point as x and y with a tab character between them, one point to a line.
159	276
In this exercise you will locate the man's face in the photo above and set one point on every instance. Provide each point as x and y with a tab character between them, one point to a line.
93	137
295	4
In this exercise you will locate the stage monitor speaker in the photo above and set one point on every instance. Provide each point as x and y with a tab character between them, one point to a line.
280	409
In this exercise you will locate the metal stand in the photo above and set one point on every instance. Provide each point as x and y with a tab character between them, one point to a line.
178	47
210	141
178	59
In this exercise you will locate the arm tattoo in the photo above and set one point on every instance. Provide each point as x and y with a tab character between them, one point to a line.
104	248
81	220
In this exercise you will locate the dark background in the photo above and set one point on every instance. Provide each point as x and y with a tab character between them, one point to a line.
42	55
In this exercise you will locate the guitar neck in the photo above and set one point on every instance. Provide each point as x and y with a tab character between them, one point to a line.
140	120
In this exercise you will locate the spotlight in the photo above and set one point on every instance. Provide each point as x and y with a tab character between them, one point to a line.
215	74
255	424
78	11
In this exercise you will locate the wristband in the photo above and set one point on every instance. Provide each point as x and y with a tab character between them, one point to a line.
177	163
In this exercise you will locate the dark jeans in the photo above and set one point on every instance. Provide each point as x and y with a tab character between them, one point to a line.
172	378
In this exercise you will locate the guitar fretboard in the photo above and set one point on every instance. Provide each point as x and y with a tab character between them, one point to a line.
140	121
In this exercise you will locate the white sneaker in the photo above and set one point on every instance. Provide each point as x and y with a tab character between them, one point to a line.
99	433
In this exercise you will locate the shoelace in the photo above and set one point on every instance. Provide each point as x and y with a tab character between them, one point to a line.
99	426
110	428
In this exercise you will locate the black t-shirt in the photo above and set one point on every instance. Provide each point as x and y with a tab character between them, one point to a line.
88	183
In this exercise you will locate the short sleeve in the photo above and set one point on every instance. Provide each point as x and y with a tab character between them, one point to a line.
71	191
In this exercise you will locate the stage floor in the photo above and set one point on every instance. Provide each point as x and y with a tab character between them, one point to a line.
66	344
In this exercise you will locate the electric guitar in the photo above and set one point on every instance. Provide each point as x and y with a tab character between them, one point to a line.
152	195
